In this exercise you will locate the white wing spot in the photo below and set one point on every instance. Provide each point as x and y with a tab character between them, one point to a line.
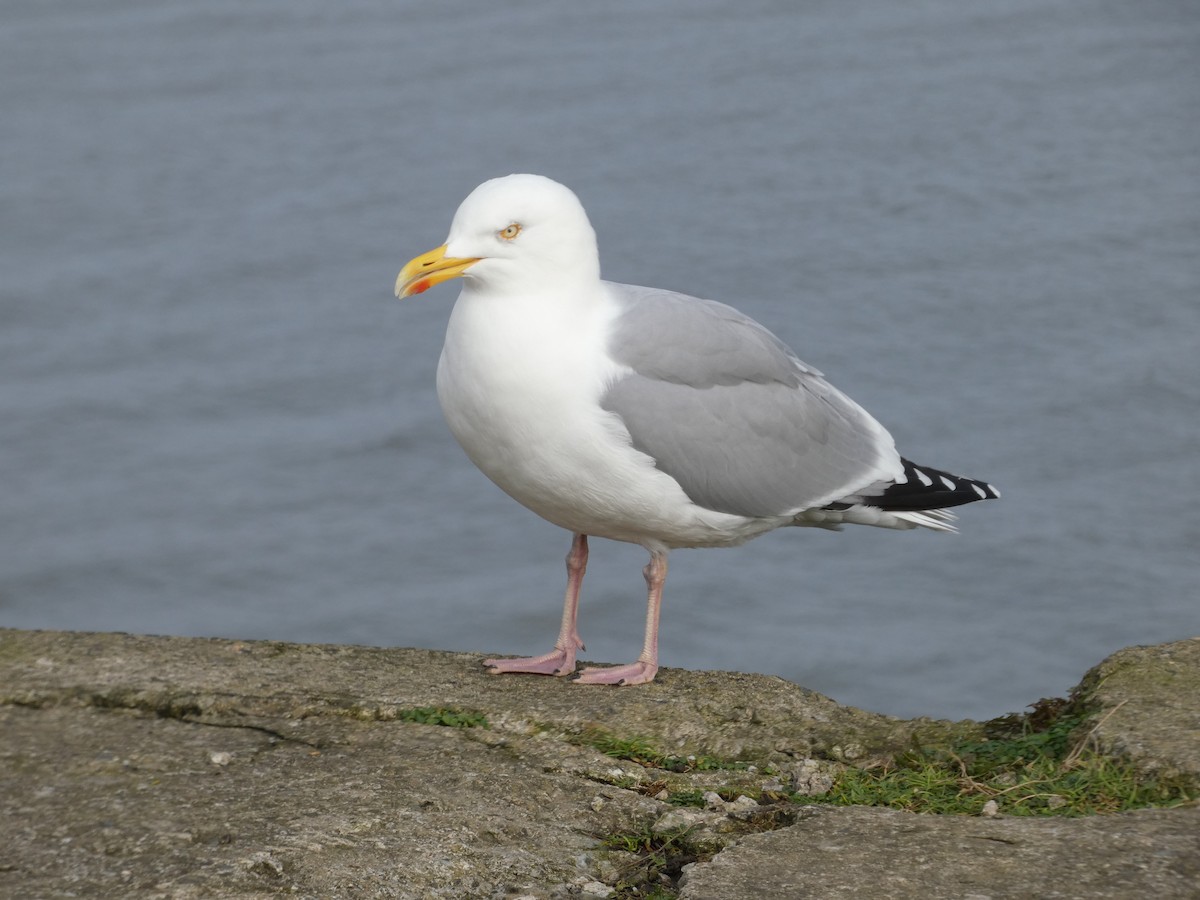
925	479
948	483
980	491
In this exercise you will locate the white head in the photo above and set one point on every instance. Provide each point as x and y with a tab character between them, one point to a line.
520	233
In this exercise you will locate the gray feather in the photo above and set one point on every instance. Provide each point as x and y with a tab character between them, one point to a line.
701	343
726	409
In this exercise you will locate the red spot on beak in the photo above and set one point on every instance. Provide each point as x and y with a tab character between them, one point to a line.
420	287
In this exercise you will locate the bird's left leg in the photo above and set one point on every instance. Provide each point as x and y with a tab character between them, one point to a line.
560	660
646	666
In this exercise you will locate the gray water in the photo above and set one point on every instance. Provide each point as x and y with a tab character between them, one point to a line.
980	220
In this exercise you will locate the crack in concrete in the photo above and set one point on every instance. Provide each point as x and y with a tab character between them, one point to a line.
270	732
180	708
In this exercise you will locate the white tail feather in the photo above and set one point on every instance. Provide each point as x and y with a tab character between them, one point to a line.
934	519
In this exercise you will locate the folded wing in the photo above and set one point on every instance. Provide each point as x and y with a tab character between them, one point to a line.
727	410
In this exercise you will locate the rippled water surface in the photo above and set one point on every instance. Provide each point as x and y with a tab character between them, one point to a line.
980	220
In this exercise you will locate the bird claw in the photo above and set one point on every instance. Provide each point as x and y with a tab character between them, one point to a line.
635	673
557	662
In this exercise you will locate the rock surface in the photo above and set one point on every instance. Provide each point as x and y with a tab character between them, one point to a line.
1148	705
178	768
852	852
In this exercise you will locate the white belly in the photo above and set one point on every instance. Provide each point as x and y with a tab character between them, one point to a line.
520	382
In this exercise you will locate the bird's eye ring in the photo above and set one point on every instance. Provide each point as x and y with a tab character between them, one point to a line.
510	233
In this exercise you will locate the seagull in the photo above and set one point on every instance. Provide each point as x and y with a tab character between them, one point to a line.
643	415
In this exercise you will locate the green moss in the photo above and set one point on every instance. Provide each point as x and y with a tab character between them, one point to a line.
449	716
1036	764
688	797
642	752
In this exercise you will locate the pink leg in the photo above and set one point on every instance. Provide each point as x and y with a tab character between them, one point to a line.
646	666
560	660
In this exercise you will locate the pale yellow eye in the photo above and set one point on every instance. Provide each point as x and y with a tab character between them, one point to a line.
510	233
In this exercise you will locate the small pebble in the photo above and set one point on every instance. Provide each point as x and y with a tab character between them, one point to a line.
742	803
712	800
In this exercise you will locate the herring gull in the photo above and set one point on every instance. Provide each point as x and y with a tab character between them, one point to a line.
640	414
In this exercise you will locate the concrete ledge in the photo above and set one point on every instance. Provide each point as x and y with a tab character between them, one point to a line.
181	767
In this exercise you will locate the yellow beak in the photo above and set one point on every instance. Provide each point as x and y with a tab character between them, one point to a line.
428	269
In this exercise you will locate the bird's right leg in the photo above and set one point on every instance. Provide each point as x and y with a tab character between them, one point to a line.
560	660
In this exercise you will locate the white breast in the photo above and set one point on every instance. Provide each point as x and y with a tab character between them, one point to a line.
520	381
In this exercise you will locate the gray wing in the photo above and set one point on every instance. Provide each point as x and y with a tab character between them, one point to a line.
728	411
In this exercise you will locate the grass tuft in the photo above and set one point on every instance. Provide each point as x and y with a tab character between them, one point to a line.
1037	764
661	857
449	716
637	750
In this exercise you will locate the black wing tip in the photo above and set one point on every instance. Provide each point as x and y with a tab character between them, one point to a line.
925	488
